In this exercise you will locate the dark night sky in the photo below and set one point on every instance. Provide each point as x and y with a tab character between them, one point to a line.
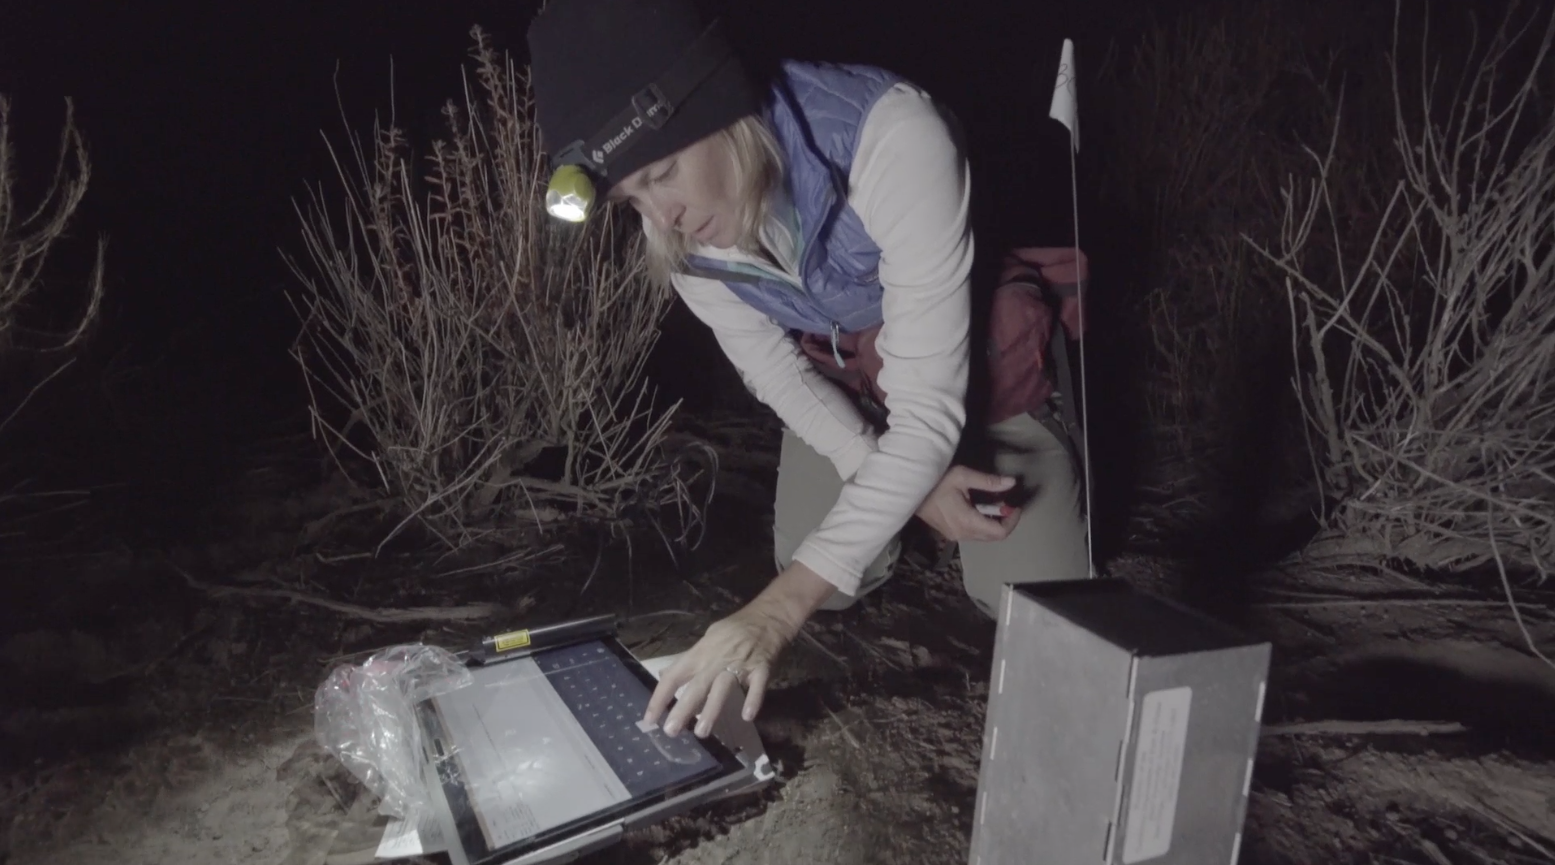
204	123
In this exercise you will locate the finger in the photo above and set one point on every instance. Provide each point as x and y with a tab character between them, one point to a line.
994	511
1010	520
755	690
715	701
987	529
670	680
973	522
976	480
688	705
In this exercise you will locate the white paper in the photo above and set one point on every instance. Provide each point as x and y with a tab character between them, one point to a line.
1153	786
402	839
1066	107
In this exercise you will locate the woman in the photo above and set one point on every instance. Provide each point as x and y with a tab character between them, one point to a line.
819	227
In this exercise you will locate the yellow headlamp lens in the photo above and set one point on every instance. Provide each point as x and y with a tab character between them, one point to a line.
570	195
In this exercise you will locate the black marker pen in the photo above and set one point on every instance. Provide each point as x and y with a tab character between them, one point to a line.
514	644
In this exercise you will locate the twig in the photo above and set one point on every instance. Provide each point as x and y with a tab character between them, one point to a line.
33	391
1506	584
509	559
1361	602
1401	577
649	640
313	526
1366	728
599	555
27	236
840	726
657	613
817	644
873	650
1506	823
1470	492
1432	851
335	560
467	613
339	800
331	661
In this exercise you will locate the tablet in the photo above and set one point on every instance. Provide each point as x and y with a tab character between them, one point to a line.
551	745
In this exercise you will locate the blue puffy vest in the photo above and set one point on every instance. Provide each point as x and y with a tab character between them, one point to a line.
816	113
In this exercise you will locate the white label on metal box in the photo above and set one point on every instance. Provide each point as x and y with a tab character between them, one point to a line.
1152	793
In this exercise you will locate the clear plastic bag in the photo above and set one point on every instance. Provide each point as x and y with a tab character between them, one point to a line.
365	716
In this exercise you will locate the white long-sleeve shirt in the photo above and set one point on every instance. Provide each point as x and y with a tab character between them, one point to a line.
910	186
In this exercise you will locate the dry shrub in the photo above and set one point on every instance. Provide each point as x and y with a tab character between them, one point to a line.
26	239
1192	162
1429	355
493	355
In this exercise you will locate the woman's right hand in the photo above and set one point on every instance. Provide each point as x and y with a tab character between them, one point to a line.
950	511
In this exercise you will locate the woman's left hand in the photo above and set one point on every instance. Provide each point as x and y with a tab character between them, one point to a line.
738	649
949	509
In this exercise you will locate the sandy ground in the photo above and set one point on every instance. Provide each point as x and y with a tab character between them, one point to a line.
190	740
210	804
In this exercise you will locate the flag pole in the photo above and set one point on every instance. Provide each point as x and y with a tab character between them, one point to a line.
1065	109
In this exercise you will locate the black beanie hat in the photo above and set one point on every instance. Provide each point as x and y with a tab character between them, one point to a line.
590	59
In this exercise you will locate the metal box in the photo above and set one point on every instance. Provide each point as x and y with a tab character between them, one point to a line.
1121	728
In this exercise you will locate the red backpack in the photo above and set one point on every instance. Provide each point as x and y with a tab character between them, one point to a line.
1033	282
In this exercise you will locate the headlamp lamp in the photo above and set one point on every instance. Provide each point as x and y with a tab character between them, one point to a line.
571	193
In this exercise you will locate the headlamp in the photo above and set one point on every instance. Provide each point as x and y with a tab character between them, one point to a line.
571	193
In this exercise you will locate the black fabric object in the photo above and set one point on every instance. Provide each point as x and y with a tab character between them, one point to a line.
589	60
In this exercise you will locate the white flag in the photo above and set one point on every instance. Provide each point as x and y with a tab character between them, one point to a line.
1066	109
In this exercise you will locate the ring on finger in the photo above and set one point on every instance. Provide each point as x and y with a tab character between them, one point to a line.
739	674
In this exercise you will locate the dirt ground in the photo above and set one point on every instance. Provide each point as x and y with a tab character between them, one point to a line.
152	715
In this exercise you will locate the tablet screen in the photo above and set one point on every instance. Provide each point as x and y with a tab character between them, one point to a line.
549	744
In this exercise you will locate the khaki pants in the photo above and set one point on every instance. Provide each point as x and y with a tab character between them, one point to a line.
1047	544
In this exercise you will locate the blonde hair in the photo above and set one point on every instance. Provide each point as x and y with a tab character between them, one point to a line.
758	168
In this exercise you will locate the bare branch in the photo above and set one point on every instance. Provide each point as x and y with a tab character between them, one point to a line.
26	240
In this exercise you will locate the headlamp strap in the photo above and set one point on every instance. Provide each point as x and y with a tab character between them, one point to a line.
652	106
